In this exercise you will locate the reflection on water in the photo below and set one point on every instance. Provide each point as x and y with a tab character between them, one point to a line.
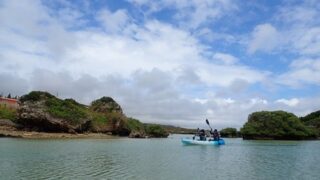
157	159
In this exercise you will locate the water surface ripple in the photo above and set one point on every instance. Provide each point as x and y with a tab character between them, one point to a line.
157	159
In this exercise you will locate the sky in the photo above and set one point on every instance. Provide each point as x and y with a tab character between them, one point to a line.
172	62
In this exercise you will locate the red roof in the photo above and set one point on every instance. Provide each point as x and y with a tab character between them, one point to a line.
9	100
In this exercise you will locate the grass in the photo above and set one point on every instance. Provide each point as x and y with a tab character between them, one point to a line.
66	109
7	113
134	124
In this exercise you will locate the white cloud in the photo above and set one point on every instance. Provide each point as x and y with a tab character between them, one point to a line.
225	58
201	101
301	72
225	75
289	102
265	37
224	101
141	69
298	28
191	13
302	14
157	71
113	22
306	41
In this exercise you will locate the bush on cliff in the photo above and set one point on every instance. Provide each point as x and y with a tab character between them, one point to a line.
36	96
136	128
135	125
275	125
105	105
67	109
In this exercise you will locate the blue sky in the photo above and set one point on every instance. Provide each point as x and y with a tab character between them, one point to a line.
168	61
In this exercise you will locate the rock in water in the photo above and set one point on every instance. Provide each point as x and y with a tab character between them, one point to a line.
137	134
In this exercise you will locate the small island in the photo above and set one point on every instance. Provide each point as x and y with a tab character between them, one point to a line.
281	125
40	114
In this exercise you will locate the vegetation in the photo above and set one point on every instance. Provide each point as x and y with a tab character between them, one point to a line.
7	113
275	125
312	120
66	109
105	105
177	130
36	96
154	130
229	132
135	125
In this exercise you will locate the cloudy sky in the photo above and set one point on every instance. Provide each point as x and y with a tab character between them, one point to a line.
167	61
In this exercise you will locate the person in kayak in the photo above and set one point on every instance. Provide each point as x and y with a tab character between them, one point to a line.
216	136
202	135
197	134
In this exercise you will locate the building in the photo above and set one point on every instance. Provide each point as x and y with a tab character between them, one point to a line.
8	102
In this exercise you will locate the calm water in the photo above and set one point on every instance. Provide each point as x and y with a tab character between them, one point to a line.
157	159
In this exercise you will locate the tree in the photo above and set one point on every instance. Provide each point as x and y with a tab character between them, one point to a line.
275	125
228	132
9	95
312	120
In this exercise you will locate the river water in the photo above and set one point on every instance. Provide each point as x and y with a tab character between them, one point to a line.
157	159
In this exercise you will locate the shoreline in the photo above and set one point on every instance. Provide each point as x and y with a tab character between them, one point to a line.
13	133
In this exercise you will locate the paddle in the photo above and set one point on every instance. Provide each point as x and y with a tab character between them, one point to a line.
207	121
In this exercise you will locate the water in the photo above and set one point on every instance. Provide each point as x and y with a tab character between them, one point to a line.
157	159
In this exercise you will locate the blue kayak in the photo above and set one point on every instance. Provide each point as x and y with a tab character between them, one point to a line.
191	141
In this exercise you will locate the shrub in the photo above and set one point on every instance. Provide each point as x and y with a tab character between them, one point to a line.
66	109
229	132
36	96
154	130
134	125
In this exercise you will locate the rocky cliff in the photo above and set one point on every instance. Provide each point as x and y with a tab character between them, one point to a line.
43	112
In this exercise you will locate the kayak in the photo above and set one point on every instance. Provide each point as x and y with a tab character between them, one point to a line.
190	141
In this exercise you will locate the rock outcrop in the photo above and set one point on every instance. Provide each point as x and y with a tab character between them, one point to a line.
40	111
106	105
137	134
43	112
115	120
